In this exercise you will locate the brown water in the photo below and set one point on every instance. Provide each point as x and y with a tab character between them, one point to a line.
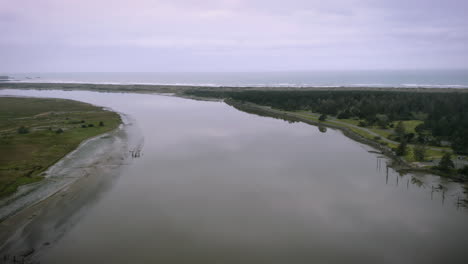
216	185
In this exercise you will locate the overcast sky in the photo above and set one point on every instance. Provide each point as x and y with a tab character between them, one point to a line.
231	35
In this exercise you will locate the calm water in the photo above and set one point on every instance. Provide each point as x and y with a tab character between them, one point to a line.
398	78
216	185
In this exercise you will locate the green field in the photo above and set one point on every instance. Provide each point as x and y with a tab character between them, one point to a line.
51	129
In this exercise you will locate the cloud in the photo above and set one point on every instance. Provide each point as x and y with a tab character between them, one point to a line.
307	34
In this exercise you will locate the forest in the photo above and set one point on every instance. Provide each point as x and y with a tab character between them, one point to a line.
444	115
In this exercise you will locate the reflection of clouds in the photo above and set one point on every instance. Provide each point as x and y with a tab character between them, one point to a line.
220	177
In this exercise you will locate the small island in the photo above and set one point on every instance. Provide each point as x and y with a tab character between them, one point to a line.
35	133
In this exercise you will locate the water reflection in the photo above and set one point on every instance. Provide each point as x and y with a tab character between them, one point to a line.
216	185
438	187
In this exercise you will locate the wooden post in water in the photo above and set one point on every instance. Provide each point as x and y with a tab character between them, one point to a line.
386	178
443	196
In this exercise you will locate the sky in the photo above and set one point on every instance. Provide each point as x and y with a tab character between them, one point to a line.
231	35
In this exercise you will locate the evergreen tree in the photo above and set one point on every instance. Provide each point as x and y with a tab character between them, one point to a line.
446	162
401	149
419	152
400	130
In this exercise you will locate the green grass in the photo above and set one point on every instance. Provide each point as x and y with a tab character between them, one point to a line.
411	125
434	154
381	132
350	121
23	157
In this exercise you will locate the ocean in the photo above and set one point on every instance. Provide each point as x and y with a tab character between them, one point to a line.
375	78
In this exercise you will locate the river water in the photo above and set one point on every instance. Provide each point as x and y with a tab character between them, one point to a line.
216	185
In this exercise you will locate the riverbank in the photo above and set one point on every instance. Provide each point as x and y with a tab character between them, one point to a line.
358	134
36	133
36	219
37	215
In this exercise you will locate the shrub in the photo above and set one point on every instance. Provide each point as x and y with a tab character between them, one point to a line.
101	123
23	130
464	170
59	131
90	125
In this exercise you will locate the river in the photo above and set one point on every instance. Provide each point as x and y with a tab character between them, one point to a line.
216	185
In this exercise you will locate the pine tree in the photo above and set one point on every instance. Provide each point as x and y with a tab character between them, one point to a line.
446	162
419	152
400	130
401	149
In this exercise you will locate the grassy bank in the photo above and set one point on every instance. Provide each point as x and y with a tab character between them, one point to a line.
35	133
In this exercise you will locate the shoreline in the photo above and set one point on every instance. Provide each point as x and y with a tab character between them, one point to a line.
397	162
80	181
46	115
27	189
178	89
96	159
